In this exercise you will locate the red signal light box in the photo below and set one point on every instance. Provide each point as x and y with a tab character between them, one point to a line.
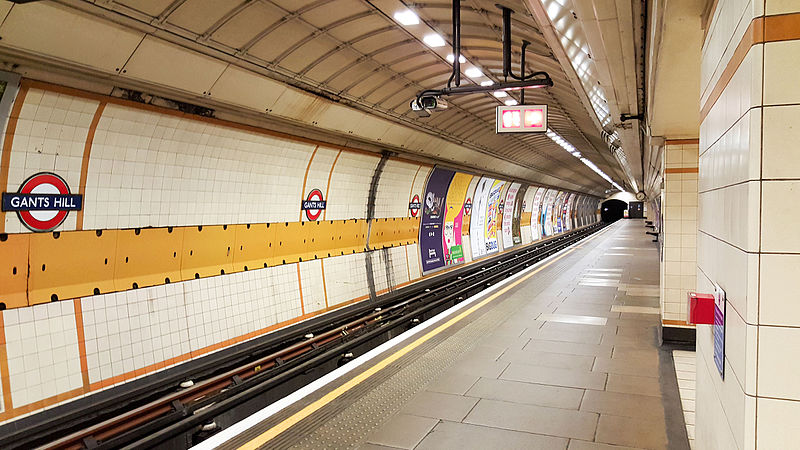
522	119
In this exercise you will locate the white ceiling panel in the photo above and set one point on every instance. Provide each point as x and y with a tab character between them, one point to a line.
69	35
159	61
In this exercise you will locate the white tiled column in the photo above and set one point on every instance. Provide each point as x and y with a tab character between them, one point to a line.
748	242
679	233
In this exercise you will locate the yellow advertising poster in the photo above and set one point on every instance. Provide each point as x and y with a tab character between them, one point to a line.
454	217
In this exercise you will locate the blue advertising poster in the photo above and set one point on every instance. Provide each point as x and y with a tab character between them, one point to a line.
432	223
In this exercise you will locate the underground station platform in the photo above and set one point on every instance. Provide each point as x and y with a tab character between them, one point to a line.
563	354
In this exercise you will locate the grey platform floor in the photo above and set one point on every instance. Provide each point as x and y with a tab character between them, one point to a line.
568	359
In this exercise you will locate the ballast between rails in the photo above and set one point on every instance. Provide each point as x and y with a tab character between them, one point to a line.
174	413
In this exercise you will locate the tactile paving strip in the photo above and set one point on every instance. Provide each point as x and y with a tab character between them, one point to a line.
347	421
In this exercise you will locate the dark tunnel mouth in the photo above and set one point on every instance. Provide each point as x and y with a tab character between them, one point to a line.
612	210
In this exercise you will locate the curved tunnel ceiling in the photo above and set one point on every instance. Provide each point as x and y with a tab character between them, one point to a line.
355	51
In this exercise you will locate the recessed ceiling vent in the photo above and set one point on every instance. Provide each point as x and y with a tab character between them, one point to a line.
149	99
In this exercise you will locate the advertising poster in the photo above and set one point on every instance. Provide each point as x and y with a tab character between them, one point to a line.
508	215
547	212
454	218
492	210
477	224
432	223
536	215
526	219
558	206
568	212
466	221
516	219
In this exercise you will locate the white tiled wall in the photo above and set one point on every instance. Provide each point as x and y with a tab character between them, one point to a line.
318	173
396	179
150	169
313	286
749	191
346	278
43	357
50	137
349	188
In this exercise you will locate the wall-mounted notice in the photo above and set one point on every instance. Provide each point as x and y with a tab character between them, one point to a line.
508	215
431	236
478	217
719	329
454	217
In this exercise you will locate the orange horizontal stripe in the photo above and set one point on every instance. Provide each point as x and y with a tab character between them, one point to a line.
764	29
681	141
782	27
681	170
676	322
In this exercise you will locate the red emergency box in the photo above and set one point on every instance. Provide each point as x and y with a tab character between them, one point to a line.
701	308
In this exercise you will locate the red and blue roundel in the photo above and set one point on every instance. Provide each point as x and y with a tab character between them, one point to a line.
43	202
313	205
414	205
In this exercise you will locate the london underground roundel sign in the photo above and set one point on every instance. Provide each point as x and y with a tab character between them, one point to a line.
414	205
43	202
313	204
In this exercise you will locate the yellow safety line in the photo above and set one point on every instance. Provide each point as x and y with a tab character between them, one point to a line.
355	381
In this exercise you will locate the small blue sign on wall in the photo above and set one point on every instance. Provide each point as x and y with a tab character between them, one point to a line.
719	329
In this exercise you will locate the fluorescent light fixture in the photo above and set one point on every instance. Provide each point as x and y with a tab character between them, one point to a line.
487	83
433	40
406	17
500	94
473	72
511	102
451	58
563	143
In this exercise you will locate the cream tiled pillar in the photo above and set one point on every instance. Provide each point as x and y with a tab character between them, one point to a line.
748	240
679	233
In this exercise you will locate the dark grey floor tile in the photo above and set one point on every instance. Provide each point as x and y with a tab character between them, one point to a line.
534	419
575	444
585	337
620	404
486	351
629	366
527	393
633	385
453	383
643	342
481	367
554	376
505	341
633	432
368	446
440	406
461	436
588	309
645	354
569	348
547	359
403	431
